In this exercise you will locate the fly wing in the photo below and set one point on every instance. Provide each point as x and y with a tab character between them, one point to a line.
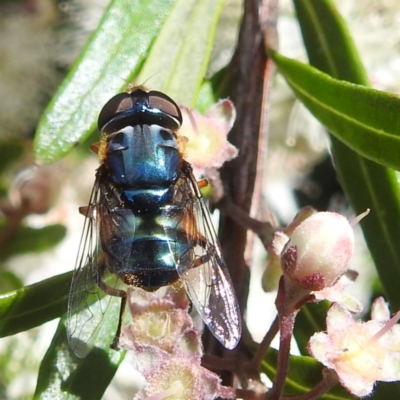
203	271
87	303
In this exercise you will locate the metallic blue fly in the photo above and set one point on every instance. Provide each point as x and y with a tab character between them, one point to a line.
146	223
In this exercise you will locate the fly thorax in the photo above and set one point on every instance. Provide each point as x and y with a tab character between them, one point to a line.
143	156
143	161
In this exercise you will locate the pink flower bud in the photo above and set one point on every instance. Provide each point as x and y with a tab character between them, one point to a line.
318	251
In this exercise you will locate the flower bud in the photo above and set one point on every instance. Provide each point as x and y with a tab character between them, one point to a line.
318	251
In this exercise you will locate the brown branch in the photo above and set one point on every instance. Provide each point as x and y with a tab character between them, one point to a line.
250	75
247	80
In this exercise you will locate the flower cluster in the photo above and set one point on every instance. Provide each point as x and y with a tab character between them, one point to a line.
167	348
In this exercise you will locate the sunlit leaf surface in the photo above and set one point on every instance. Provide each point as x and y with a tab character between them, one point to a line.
107	63
64	376
34	305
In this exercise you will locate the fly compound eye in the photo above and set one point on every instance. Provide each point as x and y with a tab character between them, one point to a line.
165	104
118	104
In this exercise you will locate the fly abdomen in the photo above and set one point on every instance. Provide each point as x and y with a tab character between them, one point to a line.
146	254
154	264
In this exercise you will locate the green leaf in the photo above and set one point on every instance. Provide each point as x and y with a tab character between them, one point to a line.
364	119
184	58
28	240
34	305
329	45
64	376
111	58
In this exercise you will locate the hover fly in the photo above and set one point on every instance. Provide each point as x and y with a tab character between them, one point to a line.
146	223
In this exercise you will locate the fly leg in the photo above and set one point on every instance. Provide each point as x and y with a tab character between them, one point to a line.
112	292
115	343
198	262
208	254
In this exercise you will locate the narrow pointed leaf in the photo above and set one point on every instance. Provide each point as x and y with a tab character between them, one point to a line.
64	376
328	41
34	305
183	49
109	60
364	119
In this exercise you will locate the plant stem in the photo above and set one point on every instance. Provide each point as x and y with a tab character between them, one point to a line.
286	324
330	379
264	345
